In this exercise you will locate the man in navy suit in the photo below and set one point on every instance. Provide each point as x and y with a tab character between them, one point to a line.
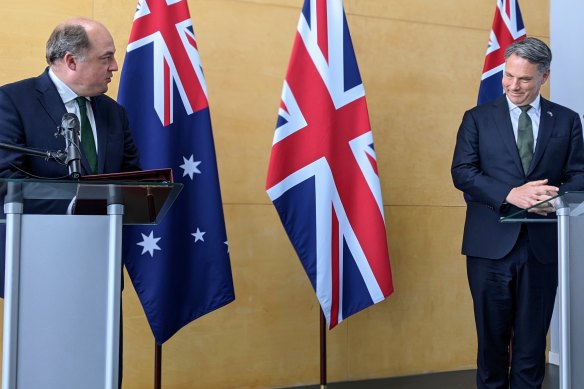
80	54
512	268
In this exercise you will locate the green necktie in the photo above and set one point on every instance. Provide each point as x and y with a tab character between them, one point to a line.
87	139
525	137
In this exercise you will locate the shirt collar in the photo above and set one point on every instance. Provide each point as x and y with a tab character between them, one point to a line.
535	104
66	93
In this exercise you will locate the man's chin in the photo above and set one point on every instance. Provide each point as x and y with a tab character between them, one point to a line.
517	100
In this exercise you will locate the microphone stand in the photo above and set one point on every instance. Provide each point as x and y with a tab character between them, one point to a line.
69	129
57	156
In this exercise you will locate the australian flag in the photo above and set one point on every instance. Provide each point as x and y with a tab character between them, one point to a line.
180	268
507	28
322	176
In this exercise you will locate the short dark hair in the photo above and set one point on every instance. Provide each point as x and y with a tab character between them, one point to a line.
66	38
533	50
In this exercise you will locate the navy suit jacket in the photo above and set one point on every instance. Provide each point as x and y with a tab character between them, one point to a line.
30	113
486	166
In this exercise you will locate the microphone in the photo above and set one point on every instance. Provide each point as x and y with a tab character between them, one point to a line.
70	130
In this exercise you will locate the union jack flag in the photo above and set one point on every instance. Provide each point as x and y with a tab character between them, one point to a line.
180	268
507	28
322	176
167	26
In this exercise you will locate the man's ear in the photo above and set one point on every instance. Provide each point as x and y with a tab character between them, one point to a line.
546	76
70	61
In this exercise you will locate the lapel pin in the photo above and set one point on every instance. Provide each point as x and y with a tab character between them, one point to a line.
550	113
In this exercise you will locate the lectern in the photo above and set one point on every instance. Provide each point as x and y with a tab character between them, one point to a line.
570	220
63	277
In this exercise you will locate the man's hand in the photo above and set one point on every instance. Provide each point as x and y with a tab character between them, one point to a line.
531	193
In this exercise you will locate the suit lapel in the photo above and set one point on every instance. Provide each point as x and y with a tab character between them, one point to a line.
503	124
49	98
51	101
546	124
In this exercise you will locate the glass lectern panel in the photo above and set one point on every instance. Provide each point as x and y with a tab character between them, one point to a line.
144	202
572	200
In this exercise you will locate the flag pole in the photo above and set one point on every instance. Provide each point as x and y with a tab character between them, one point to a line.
322	350
157	365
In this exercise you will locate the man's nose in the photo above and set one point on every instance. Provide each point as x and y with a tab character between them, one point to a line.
113	65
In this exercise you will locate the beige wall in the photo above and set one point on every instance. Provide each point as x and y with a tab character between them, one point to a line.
420	62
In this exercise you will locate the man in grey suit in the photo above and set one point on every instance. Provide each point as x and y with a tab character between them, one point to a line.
511	154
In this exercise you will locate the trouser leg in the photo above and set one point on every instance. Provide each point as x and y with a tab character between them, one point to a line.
536	292
491	285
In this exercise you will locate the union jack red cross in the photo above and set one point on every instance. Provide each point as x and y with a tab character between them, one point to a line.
167	24
507	28
322	175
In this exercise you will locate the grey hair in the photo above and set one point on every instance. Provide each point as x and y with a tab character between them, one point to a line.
66	38
533	50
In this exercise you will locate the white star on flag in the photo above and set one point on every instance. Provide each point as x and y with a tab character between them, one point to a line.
149	243
198	235
190	166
